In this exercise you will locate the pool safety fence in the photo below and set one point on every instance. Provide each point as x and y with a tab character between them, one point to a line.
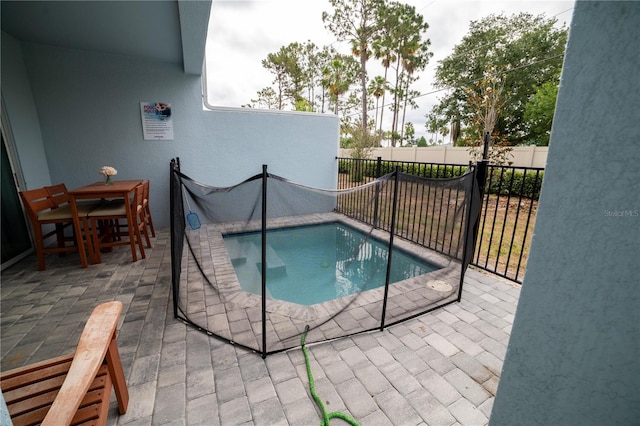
269	258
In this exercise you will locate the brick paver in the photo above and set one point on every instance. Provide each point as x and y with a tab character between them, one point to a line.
441	368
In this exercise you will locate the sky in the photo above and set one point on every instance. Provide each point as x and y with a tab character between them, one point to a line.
242	33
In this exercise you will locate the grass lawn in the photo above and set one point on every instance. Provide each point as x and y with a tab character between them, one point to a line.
506	227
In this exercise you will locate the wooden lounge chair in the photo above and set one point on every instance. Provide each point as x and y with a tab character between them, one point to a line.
75	388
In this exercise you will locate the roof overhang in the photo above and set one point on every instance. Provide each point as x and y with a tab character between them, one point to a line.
172	31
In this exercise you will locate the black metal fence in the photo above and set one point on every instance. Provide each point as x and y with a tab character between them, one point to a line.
510	203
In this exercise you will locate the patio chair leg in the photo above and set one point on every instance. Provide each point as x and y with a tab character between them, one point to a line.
39	248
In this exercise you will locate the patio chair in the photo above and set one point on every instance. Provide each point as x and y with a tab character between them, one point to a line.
144	222
61	199
147	209
75	388
42	211
141	214
108	231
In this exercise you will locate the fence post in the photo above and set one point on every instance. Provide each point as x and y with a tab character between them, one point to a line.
471	234
482	165
389	256
481	177
264	261
485	151
377	195
175	202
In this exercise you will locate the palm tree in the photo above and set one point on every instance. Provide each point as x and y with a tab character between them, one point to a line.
377	88
355	21
414	58
405	44
338	76
383	47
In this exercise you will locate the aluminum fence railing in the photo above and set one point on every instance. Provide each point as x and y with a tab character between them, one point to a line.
510	203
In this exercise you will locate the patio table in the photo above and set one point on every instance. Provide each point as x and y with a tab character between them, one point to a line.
119	189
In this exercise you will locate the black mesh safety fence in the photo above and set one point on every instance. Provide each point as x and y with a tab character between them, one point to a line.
256	263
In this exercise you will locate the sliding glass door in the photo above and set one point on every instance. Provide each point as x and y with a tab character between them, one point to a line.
16	241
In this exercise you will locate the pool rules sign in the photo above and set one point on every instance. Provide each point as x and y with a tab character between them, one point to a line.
157	122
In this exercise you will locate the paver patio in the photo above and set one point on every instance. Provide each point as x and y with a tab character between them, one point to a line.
441	368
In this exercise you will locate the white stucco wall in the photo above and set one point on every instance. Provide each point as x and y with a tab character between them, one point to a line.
574	353
88	106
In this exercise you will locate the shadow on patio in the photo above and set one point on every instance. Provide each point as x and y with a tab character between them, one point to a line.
441	368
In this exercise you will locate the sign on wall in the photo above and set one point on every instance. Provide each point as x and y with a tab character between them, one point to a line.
157	122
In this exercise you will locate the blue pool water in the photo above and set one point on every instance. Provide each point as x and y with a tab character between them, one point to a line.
313	264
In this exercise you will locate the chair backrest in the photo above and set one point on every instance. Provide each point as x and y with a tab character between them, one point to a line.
36	201
145	186
96	340
138	199
58	194
73	387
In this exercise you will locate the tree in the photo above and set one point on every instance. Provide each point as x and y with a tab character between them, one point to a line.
355	21
486	107
349	111
338	76
383	50
377	88
538	113
303	105
288	75
360	140
309	59
409	134
529	49
435	131
324	58
403	44
267	99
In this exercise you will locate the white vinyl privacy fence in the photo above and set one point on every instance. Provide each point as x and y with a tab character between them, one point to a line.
521	156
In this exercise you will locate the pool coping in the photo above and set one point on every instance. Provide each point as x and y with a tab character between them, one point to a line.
450	270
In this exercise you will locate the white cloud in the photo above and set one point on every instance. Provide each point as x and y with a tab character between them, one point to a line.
243	33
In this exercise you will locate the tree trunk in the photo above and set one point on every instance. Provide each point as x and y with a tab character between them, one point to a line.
396	101
384	95
404	108
363	83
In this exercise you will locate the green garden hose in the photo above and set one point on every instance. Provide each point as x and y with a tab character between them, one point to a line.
326	417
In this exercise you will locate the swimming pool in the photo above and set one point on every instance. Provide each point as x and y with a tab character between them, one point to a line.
312	264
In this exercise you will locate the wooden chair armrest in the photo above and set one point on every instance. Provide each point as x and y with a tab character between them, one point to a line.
97	336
